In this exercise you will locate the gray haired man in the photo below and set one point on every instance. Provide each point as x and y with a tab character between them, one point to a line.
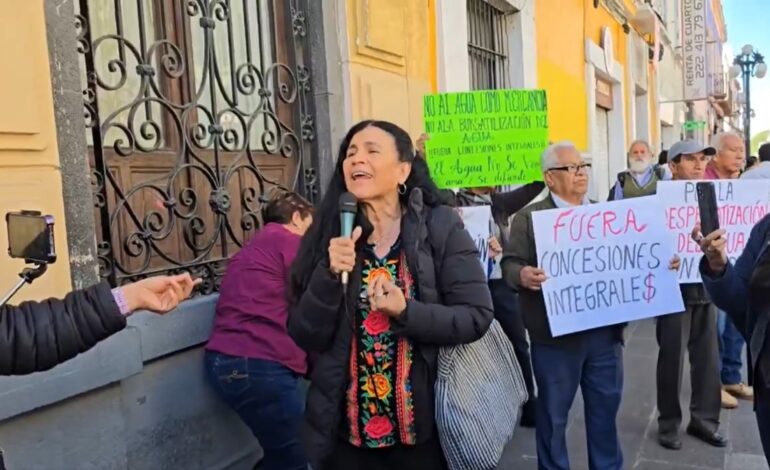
591	360
642	176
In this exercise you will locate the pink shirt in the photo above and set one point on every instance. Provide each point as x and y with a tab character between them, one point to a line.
711	172
253	305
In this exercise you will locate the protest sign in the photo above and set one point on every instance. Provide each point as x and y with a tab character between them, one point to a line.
477	220
741	203
485	138
606	264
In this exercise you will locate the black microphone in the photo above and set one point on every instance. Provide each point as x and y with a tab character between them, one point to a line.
348	209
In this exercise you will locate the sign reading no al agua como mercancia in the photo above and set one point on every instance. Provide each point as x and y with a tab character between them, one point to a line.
485	138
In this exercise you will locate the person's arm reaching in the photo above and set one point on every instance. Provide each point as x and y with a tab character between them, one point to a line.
504	205
36	336
728	285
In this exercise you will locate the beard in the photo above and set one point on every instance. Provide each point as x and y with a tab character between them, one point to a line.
639	166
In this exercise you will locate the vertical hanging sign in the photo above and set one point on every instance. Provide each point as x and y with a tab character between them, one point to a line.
694	49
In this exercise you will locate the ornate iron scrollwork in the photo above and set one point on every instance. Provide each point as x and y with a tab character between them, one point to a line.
215	110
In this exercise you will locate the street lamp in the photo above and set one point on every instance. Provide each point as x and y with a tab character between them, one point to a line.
749	63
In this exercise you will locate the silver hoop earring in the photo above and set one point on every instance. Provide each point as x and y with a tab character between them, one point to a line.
401	188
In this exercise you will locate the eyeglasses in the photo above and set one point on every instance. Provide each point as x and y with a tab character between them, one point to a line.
572	169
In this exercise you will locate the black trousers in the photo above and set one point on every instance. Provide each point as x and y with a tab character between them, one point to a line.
426	456
694	330
506	304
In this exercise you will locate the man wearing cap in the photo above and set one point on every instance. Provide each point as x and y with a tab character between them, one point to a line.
694	330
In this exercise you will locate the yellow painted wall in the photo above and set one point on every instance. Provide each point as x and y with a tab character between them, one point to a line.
392	54
561	68
29	159
562	26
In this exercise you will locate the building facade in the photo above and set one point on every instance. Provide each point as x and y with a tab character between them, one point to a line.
150	129
612	69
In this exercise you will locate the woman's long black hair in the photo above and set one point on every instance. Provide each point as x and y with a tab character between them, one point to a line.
315	243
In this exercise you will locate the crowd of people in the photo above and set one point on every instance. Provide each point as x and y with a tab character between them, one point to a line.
327	344
369	349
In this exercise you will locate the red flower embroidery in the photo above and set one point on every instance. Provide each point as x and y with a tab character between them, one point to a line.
378	427
376	323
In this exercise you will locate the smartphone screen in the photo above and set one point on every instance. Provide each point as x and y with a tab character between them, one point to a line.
30	237
707	204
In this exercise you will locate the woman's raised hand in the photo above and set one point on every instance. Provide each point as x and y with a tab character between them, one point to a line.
342	252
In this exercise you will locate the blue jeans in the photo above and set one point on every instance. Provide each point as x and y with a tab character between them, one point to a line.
596	365
267	397
730	350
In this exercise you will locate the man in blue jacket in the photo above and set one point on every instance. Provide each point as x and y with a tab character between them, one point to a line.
741	291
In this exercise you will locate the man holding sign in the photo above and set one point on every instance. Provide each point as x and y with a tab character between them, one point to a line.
694	329
591	359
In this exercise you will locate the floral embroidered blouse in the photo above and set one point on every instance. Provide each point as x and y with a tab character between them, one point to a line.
380	408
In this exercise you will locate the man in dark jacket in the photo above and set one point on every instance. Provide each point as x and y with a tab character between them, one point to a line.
36	336
590	359
740	290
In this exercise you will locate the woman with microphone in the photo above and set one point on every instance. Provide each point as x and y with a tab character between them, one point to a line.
415	284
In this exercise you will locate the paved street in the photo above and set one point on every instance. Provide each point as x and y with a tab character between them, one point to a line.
638	424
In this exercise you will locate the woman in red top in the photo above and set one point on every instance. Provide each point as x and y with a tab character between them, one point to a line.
251	361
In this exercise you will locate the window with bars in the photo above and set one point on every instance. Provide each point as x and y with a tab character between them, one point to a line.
195	110
487	46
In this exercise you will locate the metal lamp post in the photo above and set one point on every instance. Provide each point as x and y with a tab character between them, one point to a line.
749	63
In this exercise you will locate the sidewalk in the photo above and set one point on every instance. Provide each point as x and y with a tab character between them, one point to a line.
638	425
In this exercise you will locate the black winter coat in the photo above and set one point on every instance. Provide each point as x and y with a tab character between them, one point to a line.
453	307
36	336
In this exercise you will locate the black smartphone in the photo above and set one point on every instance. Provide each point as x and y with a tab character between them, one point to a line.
30	237
707	204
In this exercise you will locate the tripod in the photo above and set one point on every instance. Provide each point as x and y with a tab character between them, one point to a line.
27	276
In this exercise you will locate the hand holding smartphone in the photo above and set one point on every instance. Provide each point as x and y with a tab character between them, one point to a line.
707	204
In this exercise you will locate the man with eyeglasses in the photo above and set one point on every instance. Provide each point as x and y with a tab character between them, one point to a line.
592	360
693	330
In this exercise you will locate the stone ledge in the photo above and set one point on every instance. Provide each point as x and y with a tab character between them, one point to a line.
147	337
183	328
110	361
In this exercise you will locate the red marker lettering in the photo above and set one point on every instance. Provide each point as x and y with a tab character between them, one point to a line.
631	222
609	218
574	235
590	227
559	223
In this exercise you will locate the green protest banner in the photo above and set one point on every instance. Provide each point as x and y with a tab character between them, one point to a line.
485	138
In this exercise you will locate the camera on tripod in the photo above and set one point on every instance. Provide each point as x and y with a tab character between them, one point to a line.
31	238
